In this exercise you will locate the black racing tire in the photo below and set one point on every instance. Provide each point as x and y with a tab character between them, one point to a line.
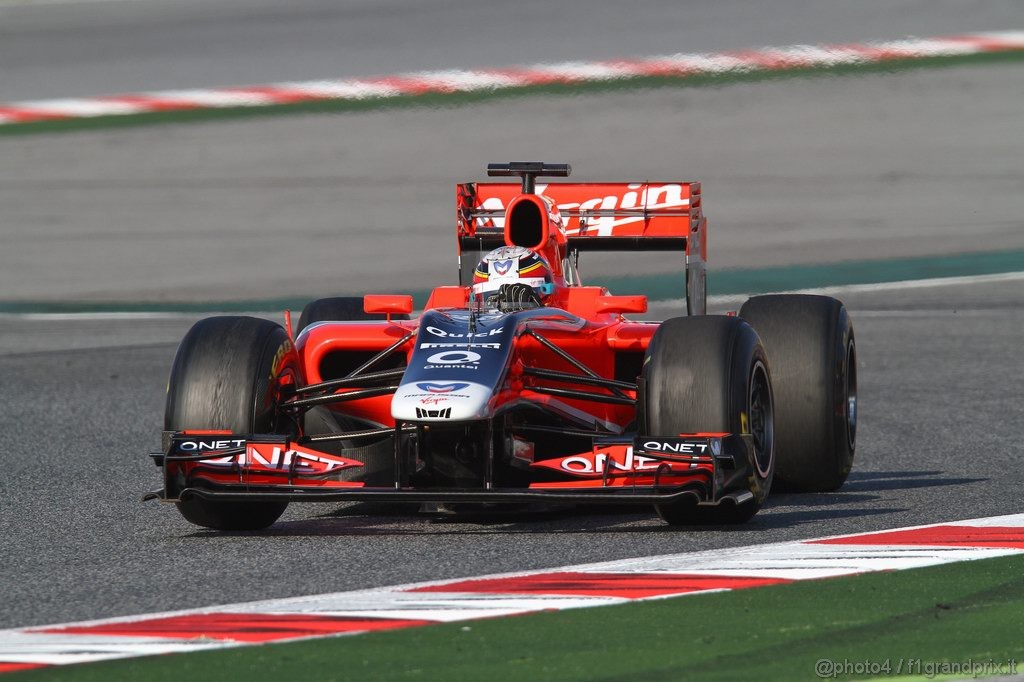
813	354
710	373
222	378
339	309
378	457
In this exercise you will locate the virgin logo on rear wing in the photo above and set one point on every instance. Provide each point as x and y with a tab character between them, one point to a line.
651	210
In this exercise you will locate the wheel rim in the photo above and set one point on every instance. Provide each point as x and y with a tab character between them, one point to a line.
761	409
851	394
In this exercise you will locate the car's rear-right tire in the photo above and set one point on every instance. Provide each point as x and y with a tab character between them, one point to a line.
339	309
224	377
377	457
708	374
813	354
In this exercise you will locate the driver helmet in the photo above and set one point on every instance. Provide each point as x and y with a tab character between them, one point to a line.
512	265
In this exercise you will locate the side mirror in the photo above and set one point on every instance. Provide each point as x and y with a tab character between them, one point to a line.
388	304
621	304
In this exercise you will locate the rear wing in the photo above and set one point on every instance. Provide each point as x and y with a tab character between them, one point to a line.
603	216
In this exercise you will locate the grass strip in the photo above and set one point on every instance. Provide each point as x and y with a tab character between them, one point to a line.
656	286
456	99
891	624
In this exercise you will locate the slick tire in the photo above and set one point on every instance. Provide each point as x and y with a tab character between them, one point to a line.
222	378
813	355
339	309
711	374
379	457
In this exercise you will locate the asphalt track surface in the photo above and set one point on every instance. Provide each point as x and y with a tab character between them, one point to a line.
801	170
941	389
823	169
72	48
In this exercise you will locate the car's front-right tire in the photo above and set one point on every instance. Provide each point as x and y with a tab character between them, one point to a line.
224	377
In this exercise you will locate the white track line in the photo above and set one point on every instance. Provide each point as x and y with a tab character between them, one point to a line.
728	299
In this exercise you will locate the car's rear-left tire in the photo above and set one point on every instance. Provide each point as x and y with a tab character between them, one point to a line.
811	346
224	377
708	374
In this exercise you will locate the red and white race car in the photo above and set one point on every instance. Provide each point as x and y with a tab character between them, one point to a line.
521	384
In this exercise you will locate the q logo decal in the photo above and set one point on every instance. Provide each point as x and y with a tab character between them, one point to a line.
454	357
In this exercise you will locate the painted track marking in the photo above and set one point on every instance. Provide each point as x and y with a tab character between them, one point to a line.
677	66
614	582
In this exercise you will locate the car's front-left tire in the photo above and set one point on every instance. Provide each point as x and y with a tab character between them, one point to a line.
224	377
710	374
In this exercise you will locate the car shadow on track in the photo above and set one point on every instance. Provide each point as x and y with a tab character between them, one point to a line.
405	520
783	510
804	516
878	481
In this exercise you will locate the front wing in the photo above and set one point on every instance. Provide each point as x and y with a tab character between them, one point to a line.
705	468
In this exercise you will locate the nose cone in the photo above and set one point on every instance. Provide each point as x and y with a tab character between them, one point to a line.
441	400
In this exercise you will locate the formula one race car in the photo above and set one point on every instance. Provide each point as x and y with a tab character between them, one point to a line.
521	384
